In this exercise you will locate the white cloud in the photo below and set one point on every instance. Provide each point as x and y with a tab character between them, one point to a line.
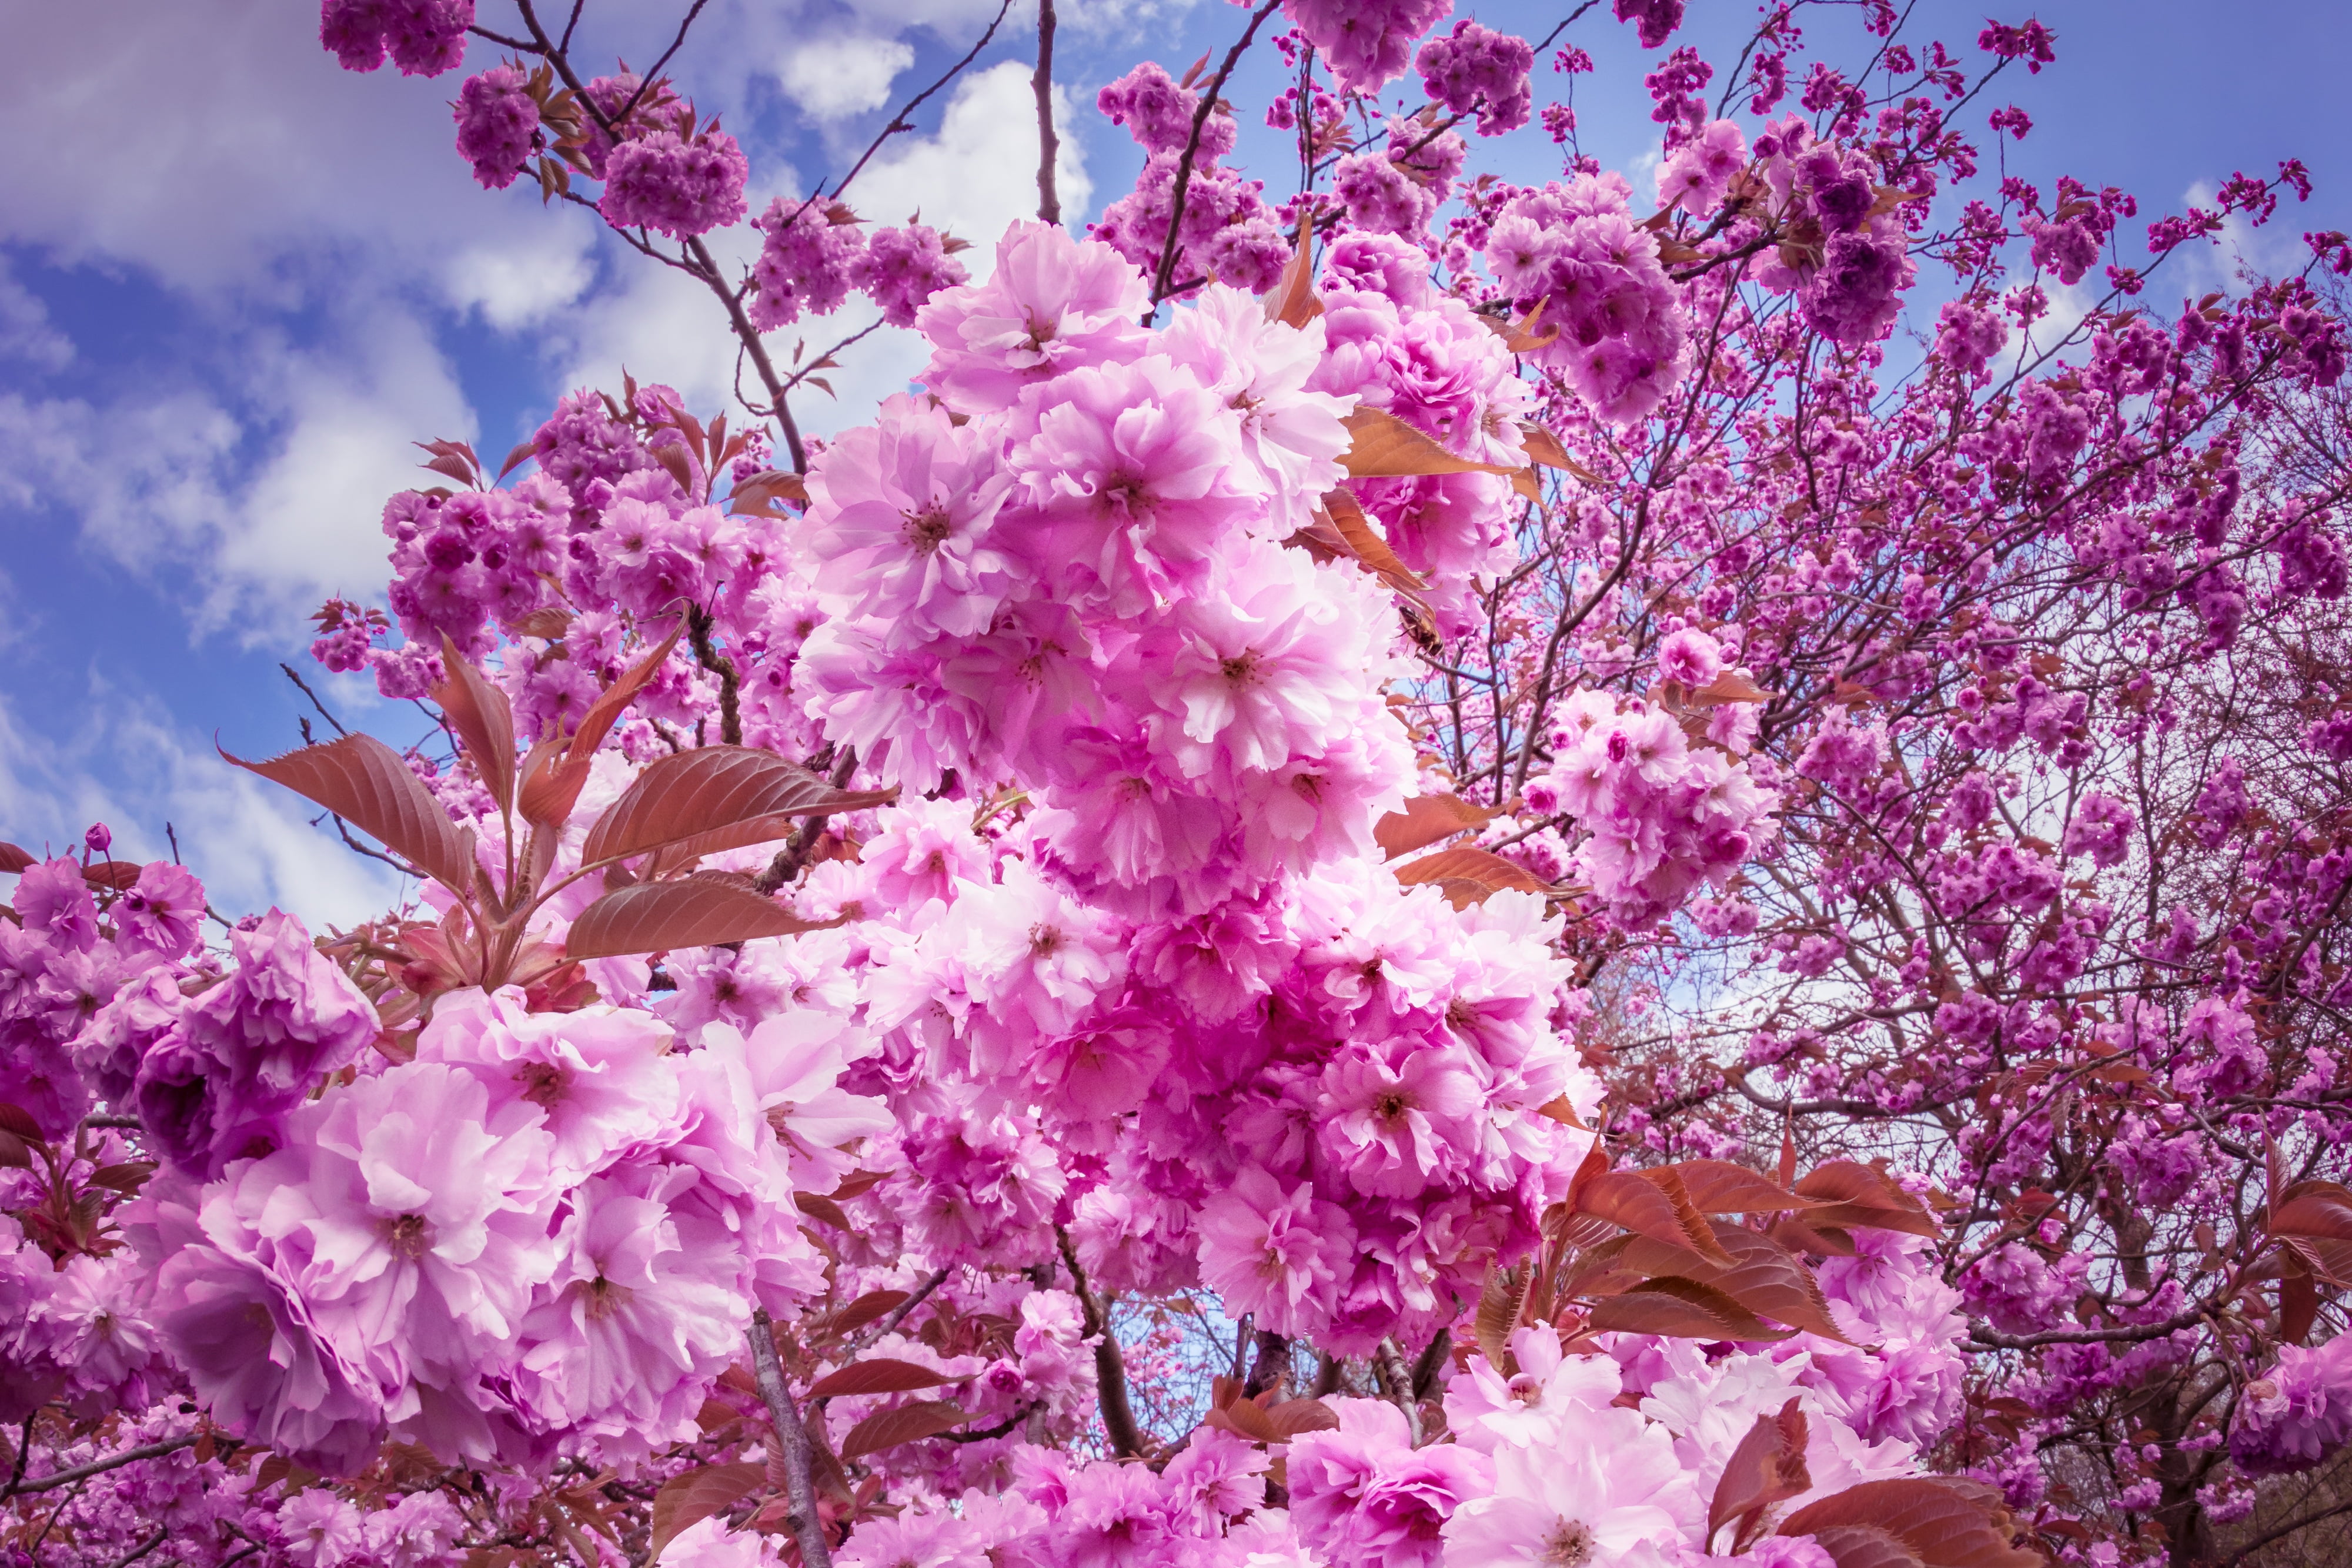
980	173
520	281
26	334
270	505
130	768
835	78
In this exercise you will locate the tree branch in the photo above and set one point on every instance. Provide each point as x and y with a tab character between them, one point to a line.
96	1467
1049	140
800	1485
1110	1366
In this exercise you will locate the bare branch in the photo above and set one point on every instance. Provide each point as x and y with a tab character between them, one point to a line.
1209	95
1049	140
808	1527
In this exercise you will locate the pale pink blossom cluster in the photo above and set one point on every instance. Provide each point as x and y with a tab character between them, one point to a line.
546	1230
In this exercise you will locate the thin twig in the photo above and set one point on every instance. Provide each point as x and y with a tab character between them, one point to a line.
897	1315
315	703
138	1552
1209	95
646	83
790	859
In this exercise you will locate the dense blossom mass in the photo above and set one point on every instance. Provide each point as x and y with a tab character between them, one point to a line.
1447	872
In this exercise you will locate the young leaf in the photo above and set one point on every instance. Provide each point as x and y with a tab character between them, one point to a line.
1945	1522
871	1307
878	1376
1864	1546
1653	1204
718	797
1364	542
483	719
688	1499
1292	301
1768	1467
365	782
889	1428
1851	1194
1682	1308
1292	1416
1718	1186
1386	447
15	858
1468	875
661	916
2318	1213
552	788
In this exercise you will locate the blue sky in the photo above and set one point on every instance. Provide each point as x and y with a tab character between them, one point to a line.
236	282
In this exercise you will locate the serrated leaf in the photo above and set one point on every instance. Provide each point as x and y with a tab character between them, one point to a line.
1850	1194
2318	1213
880	1375
1363	540
1386	447
15	858
1426	820
1466	876
365	782
1945	1522
1864	1546
1292	1417
1500	1304
114	875
759	494
125	1176
1718	1186
1292	300
1654	1204
871	1307
715	798
688	1499
1768	1467
517	457
1730	686
663	917
1682	1308
483	719
906	1424
551	786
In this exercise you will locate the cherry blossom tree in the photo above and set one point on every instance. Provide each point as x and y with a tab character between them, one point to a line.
1431	872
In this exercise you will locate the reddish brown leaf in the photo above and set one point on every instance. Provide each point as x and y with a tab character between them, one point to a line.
15	1119
1680	1307
889	1428
1768	1467
114	875
815	1205
1718	1186
1425	820
550	623
1944	1523
2298	1305
1763	1276
365	782
1864	1546
2318	1213
661	916
1823	1242
15	858
516	458
1386	447
1730	686
714	797
1292	300
1851	1194
1468	875
1653	1204
1500	1305
1520	336
758	495
1366	543
878	1376
871	1307
551	786
1292	1416
483	719
688	1499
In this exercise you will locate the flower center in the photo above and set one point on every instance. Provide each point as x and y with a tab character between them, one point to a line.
1568	1546
542	1084
928	529
1044	940
410	1236
604	1299
1241	668
1391	1105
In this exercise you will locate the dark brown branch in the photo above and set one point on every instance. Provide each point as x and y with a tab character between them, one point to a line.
698	625
800	1484
1049	140
1209	95
138	1552
1110	1366
96	1467
790	859
897	1315
1387	1360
